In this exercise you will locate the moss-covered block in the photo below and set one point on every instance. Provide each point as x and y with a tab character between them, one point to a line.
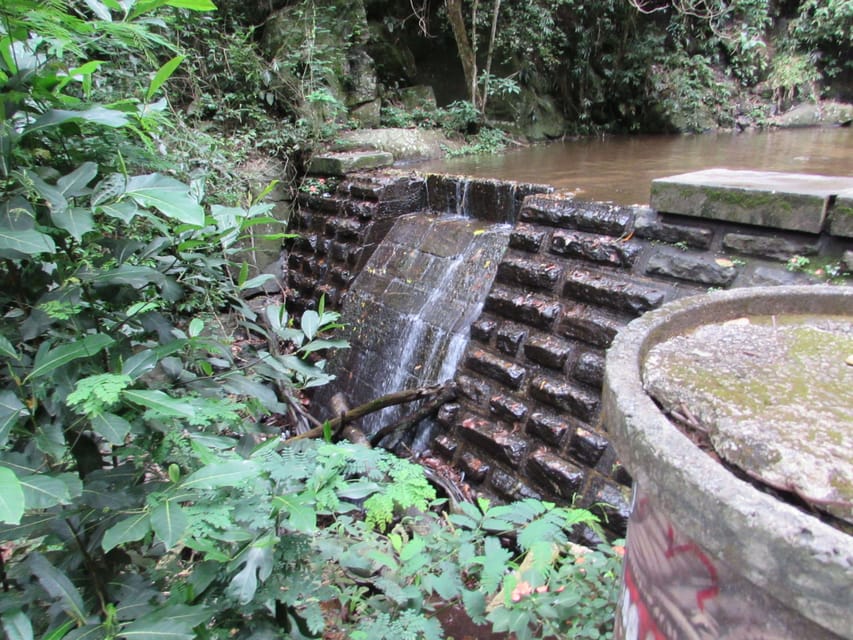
791	201
338	164
841	215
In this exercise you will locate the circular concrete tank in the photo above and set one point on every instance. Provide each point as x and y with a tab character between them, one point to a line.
709	555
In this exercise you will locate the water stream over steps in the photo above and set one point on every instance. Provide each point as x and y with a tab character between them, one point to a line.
408	312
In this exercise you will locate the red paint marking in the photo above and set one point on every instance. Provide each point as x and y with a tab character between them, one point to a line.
672	550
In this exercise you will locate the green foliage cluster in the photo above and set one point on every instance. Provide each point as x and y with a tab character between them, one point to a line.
141	495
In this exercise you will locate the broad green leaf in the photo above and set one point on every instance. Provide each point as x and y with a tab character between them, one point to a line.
129	529
25	242
95	115
125	210
77	221
259	565
168	195
161	630
310	323
163	74
89	346
11	410
17	625
257	281
75	183
11	497
222	474
94	631
140	363
169	523
159	402
6	349
182	616
192	5
59	632
58	586
42	491
112	428
318	345
135	276
196	327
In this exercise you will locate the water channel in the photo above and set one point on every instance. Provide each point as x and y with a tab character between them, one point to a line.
620	169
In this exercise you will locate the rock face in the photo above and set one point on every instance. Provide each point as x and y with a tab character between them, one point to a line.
773	396
810	115
325	43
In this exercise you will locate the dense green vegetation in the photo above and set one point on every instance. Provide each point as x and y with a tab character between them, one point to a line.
145	488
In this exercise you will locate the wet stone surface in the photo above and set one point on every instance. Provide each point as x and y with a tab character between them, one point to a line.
773	395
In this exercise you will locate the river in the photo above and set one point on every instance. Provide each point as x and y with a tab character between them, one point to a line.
620	168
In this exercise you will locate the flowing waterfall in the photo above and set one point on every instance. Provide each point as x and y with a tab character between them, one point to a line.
409	311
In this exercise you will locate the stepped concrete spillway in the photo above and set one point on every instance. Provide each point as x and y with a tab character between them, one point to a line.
570	275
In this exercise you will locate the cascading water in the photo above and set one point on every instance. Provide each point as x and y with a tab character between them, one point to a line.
409	311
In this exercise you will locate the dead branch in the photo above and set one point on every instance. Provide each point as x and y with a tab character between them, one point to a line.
389	400
447	394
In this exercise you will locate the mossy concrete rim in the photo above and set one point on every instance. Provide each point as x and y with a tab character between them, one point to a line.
795	557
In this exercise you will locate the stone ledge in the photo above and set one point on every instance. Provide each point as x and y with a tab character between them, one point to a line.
841	215
792	201
338	164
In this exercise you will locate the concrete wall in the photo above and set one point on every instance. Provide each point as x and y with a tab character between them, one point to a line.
527	422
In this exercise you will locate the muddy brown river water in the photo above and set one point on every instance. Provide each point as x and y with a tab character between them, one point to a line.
620	168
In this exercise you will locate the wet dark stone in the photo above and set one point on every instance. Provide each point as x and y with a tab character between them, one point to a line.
507	408
361	210
647	225
302	283
504	484
693	267
772	247
618	293
548	428
555	475
475	468
496	368
589	368
529	273
306	243
590	325
474	389
445	446
344	229
355	257
503	445
448	414
483	330
587	446
526	238
327	204
586	246
342	276
612	503
509	338
531	309
562	395
317	268
764	275
295	261
586	216
548	351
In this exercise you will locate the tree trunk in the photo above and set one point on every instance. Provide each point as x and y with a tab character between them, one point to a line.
463	46
495	11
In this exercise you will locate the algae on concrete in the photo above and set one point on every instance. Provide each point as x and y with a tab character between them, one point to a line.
774	397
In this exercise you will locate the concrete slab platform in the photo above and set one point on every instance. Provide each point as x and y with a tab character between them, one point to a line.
793	201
